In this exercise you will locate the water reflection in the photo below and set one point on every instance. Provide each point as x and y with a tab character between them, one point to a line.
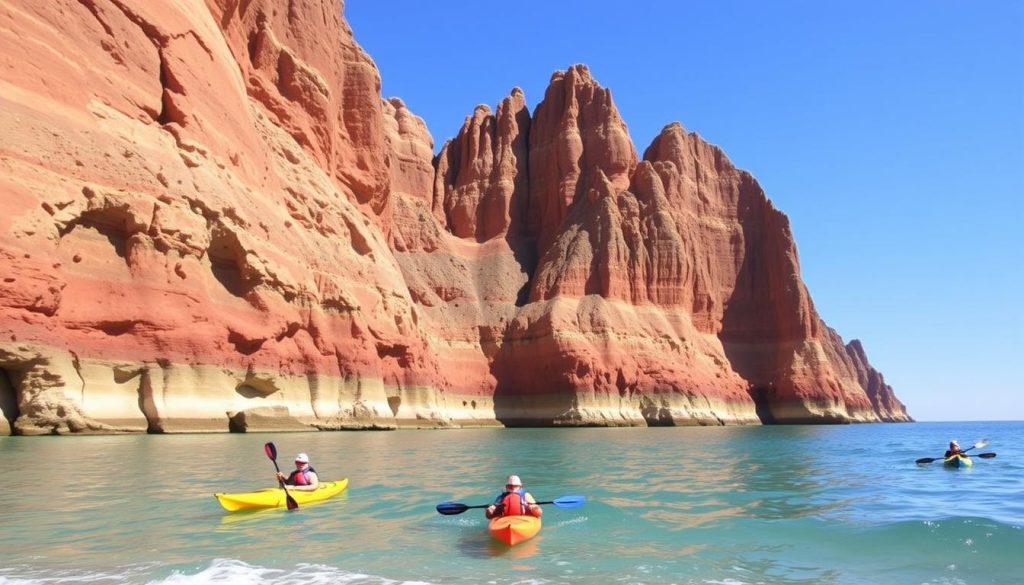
519	552
234	520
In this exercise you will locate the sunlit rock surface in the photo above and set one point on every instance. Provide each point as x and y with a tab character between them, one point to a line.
211	220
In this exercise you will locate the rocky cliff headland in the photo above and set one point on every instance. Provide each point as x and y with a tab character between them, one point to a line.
211	220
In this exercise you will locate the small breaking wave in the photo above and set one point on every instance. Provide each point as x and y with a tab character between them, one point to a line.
219	571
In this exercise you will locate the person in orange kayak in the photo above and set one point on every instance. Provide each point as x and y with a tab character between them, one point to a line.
954	449
304	478
514	501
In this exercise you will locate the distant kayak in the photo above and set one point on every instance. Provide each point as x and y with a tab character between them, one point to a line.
275	498
957	460
514	529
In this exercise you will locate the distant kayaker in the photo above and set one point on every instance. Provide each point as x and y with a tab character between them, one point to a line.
954	449
514	501
304	478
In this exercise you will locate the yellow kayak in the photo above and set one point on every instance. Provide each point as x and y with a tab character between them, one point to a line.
274	497
958	460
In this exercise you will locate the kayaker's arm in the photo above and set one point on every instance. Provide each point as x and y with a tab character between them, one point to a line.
493	511
532	507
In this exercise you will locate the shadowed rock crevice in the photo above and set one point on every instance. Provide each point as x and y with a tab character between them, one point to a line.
394	403
8	404
761	322
397	352
541	394
229	275
170	112
243	344
655	414
247	391
115	224
227	262
257	386
762	397
117	328
147	403
90	5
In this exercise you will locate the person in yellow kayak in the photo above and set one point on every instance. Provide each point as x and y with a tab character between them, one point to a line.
304	478
514	501
954	449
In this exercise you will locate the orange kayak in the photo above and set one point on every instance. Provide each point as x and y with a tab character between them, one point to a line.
514	529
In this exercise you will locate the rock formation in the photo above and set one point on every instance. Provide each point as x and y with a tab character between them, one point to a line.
210	220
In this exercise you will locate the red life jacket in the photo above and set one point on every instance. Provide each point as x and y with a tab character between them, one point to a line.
300	477
512	503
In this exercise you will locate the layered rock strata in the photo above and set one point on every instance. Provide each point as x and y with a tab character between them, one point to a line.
210	220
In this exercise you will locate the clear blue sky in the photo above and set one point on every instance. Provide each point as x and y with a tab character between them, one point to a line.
891	134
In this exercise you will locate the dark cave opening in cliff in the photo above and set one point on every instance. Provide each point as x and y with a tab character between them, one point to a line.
8	399
761	396
394	402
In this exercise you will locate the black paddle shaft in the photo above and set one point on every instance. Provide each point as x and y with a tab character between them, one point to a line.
924	460
271	452
453	508
979	444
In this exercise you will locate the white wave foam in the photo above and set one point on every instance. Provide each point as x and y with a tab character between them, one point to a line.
220	572
229	571
26	575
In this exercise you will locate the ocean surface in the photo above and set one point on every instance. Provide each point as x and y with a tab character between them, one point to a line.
730	506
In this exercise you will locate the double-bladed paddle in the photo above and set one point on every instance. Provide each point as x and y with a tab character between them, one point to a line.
452	508
977	445
978	455
271	452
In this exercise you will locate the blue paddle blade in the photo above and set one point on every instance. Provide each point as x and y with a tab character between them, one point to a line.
569	501
451	508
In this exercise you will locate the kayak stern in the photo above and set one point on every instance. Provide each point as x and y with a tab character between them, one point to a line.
512	530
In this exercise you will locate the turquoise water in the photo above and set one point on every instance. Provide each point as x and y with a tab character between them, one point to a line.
774	505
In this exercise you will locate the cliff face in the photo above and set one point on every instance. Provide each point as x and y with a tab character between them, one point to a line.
210	220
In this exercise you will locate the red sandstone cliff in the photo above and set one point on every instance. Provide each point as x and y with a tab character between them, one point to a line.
210	219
